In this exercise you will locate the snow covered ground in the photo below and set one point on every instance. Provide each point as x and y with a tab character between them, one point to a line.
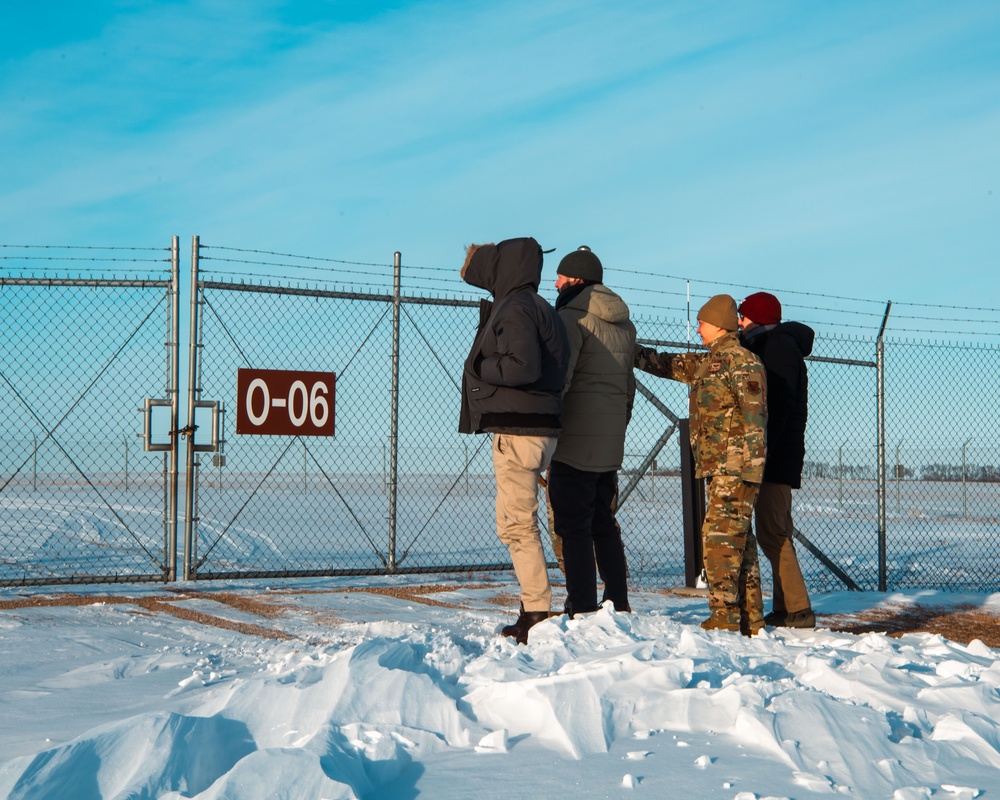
344	688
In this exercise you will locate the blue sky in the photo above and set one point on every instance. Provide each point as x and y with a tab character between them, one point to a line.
832	152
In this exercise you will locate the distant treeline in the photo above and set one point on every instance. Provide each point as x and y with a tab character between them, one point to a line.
850	472
950	472
973	473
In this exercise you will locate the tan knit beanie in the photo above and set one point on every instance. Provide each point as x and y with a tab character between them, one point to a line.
720	311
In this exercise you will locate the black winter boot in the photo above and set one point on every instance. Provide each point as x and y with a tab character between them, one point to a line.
571	611
525	620
775	618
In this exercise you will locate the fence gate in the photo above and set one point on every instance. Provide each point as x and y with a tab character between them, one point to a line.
88	389
285	504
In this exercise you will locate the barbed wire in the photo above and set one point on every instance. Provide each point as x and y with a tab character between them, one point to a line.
449	288
285	255
77	247
873	314
325	275
647	274
63	259
810	307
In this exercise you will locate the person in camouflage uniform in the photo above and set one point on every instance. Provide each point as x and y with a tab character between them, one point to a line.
728	413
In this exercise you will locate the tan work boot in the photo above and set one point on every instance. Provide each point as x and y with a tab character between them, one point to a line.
720	621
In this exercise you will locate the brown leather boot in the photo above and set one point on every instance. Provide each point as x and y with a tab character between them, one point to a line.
720	621
791	619
800	619
525	620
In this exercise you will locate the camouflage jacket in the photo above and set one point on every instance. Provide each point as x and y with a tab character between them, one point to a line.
728	407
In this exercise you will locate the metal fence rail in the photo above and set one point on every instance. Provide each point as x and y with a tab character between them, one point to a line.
398	490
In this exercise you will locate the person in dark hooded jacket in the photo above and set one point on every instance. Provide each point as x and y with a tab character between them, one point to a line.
782	346
512	387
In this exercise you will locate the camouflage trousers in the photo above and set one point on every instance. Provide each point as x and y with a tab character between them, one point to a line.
731	563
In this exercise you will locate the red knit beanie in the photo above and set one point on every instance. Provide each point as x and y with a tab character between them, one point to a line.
762	308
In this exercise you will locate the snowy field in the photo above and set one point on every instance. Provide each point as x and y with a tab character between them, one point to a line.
939	535
378	688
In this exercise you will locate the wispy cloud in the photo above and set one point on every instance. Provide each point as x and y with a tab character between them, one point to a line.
720	139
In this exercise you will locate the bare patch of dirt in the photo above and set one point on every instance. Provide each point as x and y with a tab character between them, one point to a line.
250	605
505	599
248	629
269	608
961	623
165	606
43	601
416	594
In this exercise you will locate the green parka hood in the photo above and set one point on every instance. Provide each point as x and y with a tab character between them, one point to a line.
599	300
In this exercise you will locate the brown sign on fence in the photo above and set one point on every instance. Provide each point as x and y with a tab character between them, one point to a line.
277	402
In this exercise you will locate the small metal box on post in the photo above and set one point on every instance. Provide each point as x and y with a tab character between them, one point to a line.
693	503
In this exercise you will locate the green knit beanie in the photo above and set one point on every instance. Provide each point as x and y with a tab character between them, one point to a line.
720	311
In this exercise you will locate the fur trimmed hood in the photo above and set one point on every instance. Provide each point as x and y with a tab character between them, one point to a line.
503	268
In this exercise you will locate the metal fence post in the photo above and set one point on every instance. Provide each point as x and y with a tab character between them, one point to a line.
899	476
193	393
965	488
173	392
397	260
880	416
840	476
693	503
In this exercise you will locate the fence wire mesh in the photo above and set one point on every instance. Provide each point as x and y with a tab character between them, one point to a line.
295	504
80	499
943	493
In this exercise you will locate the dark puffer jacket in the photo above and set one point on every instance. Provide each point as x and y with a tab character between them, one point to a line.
783	349
513	378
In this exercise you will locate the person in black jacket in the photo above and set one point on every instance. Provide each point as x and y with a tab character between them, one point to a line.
782	346
512	387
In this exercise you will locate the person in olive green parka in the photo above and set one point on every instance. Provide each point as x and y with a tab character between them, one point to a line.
597	406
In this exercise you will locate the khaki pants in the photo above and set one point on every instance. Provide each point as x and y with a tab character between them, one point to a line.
518	461
773	516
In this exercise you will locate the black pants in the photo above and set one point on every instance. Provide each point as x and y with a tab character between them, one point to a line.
583	505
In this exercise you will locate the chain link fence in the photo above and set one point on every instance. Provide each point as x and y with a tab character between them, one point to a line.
81	500
943	483
397	489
